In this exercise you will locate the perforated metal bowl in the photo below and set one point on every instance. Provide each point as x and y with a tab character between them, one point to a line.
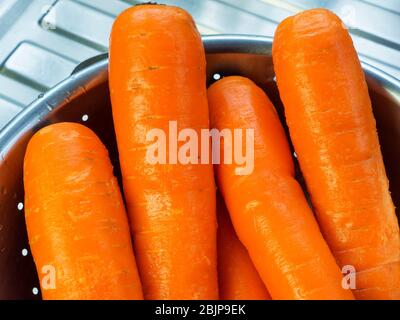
84	96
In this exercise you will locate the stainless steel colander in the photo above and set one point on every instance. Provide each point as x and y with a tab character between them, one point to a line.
84	97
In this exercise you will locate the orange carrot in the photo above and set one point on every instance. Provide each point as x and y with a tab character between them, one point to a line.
157	75
329	114
238	279
77	226
267	207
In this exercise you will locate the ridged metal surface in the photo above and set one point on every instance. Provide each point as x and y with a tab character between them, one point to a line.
41	41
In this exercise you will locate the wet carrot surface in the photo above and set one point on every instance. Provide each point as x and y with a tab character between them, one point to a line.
268	208
77	225
329	114
157	75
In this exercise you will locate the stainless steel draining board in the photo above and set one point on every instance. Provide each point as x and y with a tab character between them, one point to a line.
41	41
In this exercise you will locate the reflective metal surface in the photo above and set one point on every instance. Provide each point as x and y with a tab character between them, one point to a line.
86	93
41	41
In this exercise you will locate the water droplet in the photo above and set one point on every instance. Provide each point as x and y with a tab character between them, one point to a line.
20	206
85	118
49	106
35	291
24	252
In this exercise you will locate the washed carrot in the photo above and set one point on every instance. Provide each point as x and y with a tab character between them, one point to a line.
267	206
238	279
157	76
77	226
329	114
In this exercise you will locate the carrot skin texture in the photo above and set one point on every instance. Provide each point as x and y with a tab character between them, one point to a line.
157	75
267	207
75	216
238	279
330	119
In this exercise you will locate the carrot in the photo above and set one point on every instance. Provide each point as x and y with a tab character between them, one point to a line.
329	114
238	279
267	207
157	75
77	226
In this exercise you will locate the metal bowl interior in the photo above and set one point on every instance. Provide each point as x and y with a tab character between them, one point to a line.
86	93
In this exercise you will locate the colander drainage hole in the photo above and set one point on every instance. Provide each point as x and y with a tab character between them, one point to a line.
24	252
85	118
35	291
20	206
216	76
